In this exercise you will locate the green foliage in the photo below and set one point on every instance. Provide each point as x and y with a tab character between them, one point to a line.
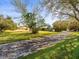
30	21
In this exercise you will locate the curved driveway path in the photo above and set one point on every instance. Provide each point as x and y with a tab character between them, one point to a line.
21	48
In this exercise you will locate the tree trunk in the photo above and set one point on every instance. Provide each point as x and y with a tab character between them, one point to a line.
34	30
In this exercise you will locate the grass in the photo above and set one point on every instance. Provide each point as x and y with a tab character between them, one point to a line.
68	49
12	36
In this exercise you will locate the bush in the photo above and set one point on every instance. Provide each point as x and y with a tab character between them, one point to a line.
6	23
73	25
60	25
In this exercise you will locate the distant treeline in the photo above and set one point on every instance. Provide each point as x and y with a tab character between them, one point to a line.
66	25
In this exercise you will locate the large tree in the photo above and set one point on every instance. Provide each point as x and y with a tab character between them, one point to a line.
33	23
63	7
31	19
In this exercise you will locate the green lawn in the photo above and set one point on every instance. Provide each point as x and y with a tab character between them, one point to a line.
67	49
12	36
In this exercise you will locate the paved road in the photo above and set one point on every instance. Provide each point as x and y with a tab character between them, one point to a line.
21	48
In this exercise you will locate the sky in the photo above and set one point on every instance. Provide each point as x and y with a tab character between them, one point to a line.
7	9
